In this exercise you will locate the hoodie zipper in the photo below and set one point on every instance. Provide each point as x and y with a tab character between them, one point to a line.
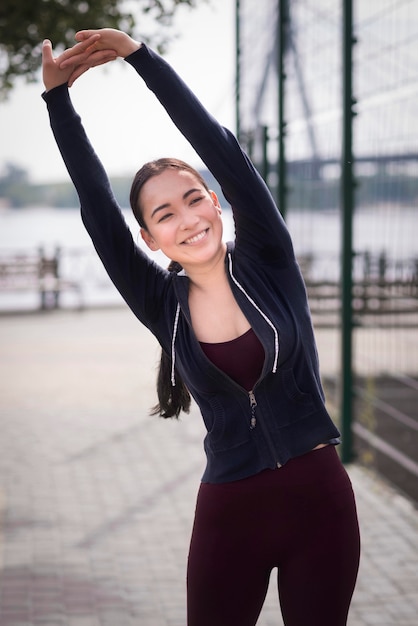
253	424
253	404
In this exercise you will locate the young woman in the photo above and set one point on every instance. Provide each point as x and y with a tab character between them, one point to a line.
234	326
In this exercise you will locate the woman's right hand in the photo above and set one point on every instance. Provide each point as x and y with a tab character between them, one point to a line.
96	47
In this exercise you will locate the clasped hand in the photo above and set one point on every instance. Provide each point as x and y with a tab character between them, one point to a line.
94	47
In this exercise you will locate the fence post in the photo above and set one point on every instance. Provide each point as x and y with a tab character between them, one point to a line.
347	203
238	69
283	16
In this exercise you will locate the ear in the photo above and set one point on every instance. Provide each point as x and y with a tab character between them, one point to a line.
149	240
215	200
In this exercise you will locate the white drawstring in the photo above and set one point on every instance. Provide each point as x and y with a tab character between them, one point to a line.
263	315
173	350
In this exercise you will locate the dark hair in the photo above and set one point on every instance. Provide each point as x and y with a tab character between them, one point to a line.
171	399
154	168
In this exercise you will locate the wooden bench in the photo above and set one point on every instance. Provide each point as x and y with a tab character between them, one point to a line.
37	272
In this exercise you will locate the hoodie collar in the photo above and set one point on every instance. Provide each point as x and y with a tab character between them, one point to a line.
230	270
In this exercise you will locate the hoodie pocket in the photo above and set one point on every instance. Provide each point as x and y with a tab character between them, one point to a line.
298	403
226	429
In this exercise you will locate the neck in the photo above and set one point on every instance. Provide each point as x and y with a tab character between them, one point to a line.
207	276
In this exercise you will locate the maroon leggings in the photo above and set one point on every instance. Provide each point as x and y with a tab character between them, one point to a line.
300	518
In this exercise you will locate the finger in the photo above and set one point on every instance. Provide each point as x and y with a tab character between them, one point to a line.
73	60
89	57
100	58
81	35
96	58
78	48
46	51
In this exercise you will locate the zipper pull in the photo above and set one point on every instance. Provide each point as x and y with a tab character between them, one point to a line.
253	404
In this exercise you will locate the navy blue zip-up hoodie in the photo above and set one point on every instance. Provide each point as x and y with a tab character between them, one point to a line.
284	415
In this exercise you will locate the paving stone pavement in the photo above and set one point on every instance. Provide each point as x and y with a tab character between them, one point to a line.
97	498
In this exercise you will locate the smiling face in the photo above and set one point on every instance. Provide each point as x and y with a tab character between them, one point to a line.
182	218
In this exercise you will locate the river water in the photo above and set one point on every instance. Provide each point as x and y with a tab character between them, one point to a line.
385	229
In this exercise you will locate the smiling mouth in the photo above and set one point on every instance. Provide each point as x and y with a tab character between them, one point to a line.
197	237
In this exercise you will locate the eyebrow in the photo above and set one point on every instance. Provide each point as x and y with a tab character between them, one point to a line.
167	204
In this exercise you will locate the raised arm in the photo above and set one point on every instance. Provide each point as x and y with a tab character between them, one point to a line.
138	279
260	229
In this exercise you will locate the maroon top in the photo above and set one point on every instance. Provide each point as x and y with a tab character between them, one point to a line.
241	359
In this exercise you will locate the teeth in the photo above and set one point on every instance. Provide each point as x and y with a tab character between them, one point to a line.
196	237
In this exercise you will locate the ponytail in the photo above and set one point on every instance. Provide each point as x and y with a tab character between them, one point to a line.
171	399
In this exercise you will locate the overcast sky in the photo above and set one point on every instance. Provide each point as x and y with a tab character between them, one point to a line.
125	123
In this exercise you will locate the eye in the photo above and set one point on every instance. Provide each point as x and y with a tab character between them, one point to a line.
196	200
164	217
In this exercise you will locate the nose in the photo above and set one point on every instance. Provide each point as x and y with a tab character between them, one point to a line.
189	219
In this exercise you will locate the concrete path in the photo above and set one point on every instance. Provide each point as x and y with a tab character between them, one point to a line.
97	498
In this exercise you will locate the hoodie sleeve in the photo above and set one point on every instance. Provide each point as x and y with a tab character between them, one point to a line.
140	281
260	229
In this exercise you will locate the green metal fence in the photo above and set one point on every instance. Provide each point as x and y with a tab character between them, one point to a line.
327	92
